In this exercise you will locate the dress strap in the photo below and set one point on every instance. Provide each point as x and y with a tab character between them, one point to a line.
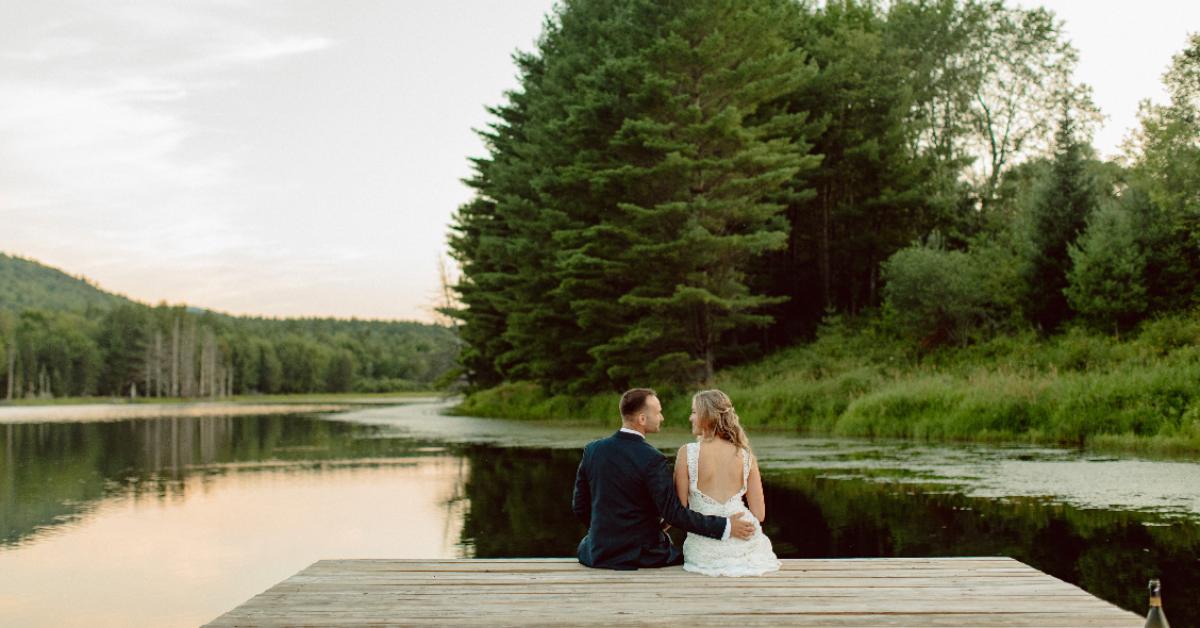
745	470
693	461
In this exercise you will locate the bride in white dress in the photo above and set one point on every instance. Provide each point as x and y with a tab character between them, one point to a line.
712	475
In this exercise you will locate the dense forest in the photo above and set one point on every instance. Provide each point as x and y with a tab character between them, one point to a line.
63	337
676	187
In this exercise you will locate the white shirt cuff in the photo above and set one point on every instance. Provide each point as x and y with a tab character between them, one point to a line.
728	527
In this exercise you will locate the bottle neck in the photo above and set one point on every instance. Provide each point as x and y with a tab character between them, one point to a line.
1155	601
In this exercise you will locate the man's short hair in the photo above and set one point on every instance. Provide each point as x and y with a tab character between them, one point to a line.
633	400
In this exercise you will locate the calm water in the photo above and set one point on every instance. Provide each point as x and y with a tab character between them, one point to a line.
172	521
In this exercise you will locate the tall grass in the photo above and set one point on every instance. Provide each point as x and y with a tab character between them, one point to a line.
1078	388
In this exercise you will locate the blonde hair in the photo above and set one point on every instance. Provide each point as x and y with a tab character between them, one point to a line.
716	415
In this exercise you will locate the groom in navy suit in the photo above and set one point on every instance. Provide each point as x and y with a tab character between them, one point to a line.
624	493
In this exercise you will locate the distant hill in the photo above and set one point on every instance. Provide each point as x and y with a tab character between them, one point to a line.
78	340
26	284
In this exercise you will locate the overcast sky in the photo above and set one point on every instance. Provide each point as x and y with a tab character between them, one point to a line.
292	157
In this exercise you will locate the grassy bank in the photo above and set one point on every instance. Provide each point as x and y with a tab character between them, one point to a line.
349	397
1139	393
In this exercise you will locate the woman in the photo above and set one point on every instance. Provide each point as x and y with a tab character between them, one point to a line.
712	475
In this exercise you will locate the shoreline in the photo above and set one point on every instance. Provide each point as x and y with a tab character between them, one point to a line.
104	409
350	397
908	422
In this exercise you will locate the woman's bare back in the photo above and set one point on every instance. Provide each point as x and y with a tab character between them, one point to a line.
719	469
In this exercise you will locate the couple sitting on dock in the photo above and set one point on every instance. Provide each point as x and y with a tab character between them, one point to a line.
627	497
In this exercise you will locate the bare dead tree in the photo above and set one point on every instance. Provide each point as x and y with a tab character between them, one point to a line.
187	360
447	303
158	363
175	390
148	371
208	364
203	366
43	387
12	371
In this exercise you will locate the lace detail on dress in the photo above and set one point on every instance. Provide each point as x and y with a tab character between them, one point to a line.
732	557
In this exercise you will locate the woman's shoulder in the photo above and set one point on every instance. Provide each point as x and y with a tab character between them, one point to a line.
685	450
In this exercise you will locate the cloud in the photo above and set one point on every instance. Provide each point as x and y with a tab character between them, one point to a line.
254	50
269	50
52	49
159	147
115	123
98	145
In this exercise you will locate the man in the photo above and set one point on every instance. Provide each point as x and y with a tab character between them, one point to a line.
624	492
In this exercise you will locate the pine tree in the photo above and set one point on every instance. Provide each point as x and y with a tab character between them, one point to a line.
1106	283
1058	216
123	337
714	147
627	185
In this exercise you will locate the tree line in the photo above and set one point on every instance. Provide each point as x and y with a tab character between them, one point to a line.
680	185
174	351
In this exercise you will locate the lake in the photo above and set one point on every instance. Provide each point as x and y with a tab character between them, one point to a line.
171	521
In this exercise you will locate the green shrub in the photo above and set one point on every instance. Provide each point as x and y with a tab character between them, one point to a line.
1165	334
933	294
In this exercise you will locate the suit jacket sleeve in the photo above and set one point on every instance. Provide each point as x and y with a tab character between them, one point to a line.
662	491
581	501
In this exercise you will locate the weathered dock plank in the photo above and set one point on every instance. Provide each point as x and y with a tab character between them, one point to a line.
818	592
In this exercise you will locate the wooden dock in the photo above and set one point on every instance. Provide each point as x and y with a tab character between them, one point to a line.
522	592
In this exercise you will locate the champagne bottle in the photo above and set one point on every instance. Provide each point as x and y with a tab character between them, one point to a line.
1155	618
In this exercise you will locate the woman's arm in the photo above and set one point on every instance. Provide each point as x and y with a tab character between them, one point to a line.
754	492
681	476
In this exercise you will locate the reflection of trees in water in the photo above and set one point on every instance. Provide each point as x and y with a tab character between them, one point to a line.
1110	554
457	507
519	505
51	473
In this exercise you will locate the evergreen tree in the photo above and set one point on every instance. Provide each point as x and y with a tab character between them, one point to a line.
339	376
504	239
122	339
270	374
1057	218
637	123
718	147
1105	284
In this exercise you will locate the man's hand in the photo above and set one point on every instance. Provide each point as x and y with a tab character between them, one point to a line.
740	528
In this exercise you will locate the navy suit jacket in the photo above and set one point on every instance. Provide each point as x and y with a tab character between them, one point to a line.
623	490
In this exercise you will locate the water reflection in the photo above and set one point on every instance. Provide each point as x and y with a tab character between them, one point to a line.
173	521
1110	554
519	502
51	473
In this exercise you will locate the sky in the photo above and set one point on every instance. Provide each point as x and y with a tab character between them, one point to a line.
304	157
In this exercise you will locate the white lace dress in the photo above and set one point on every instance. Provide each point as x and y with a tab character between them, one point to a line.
732	557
